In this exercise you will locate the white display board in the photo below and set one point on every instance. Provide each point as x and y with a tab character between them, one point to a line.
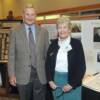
83	30
51	29
91	47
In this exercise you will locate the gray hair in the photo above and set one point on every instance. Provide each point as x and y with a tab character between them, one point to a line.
29	6
64	19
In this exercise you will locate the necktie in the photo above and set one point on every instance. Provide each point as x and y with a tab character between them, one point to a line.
32	48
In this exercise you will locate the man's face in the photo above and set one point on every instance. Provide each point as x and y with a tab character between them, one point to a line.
29	16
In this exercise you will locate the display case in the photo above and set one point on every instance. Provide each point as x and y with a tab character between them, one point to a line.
5	29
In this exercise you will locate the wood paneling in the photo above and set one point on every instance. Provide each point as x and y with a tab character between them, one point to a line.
88	7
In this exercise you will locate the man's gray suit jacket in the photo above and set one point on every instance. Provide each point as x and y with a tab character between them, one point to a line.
19	59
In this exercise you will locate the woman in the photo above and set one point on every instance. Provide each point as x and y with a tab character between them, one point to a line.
65	63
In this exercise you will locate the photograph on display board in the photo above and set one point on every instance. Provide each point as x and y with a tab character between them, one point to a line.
76	30
98	57
96	37
76	27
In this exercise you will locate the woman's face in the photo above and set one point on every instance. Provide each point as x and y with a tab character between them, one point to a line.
63	30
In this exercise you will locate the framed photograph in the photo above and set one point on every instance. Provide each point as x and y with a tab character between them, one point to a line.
98	57
96	37
76	27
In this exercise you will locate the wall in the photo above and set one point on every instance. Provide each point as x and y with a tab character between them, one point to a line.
14	5
1	13
49	5
41	5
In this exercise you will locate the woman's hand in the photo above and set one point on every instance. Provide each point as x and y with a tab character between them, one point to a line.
52	85
67	88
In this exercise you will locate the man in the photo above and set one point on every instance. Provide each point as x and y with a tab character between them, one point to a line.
27	52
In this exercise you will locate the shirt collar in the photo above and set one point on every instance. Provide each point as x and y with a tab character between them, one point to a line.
64	43
31	26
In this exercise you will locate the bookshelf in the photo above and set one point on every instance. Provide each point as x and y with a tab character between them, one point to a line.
4	44
5	28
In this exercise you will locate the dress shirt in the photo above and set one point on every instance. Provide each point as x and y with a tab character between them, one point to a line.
33	30
62	59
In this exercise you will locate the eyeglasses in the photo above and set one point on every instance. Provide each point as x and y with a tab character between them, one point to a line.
59	92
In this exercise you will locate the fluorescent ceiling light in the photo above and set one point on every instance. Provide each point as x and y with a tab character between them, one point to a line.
40	18
52	16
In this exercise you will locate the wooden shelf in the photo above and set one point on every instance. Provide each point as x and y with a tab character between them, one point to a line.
3	91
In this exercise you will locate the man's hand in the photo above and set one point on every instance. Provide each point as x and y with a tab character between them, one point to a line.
12	80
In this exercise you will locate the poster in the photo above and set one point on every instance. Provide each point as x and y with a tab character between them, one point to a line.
83	30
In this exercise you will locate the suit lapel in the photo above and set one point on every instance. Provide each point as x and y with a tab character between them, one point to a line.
24	37
37	30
